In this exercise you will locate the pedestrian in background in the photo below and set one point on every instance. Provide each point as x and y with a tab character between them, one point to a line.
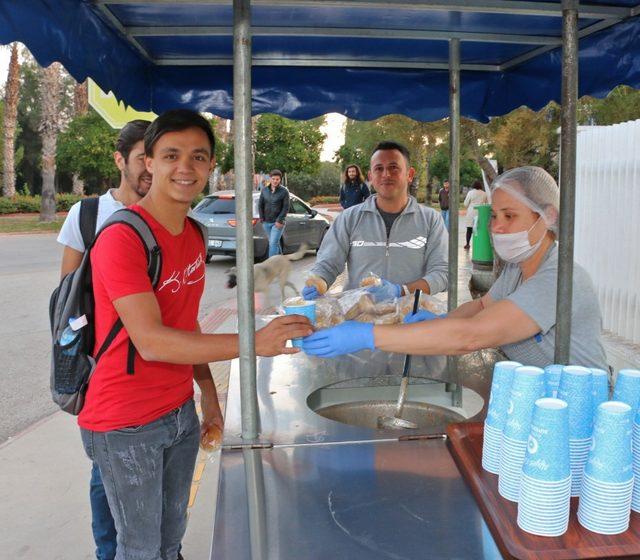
353	190
443	199
475	196
273	207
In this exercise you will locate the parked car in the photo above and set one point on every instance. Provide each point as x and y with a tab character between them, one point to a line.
218	213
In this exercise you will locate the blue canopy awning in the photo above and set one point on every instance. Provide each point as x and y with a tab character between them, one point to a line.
361	58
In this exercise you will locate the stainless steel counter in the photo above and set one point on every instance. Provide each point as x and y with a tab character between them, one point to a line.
369	501
327	490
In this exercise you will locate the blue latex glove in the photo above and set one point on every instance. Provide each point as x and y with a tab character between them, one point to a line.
422	315
345	338
310	292
385	291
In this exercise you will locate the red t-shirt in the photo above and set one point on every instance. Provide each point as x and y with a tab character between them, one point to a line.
116	399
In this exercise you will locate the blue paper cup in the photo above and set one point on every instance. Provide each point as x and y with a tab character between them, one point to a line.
526	389
599	388
299	306
610	458
552	375
499	396
575	389
547	457
627	388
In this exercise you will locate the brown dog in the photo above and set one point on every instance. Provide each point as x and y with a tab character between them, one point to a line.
274	268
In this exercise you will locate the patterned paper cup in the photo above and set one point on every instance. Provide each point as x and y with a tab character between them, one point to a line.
547	457
599	387
610	458
575	389
627	388
499	396
552	375
299	306
527	388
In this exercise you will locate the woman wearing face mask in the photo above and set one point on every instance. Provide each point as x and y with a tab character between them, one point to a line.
518	313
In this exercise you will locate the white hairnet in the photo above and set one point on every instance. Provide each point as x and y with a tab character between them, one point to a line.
535	188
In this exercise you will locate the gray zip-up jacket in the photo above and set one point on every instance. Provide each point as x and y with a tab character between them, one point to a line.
416	249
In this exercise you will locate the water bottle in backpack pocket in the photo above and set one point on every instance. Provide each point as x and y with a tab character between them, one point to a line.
67	353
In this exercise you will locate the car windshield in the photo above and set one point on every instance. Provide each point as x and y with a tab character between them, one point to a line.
226	205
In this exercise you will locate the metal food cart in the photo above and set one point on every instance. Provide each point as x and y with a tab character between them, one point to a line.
294	484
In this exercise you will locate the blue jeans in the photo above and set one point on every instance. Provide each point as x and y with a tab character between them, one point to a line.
445	217
147	472
104	529
274	233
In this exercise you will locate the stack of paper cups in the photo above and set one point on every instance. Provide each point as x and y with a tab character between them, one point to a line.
497	414
545	489
575	389
527	388
605	500
635	502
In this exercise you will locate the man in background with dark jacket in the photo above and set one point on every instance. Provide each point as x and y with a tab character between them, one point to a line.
273	207
443	199
353	189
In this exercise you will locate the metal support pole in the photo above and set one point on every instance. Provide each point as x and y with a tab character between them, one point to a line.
254	479
454	199
244	202
568	142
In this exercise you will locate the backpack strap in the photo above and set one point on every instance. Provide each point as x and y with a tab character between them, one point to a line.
154	268
88	219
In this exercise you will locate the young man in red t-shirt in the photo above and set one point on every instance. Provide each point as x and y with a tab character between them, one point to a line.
142	429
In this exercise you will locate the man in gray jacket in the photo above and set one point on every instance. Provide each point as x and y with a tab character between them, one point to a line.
389	234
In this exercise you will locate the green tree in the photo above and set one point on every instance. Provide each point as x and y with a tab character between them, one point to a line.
420	138
291	146
28	137
621	105
469	168
325	182
525	137
86	148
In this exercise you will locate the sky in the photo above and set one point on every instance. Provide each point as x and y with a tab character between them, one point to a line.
334	129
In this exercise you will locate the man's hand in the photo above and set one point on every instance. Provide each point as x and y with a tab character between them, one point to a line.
272	339
279	225
212	424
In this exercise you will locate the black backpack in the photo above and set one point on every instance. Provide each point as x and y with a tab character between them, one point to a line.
72	362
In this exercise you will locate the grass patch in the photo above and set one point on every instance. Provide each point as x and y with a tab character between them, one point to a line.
28	224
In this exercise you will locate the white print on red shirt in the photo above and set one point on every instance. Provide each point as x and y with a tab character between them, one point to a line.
175	280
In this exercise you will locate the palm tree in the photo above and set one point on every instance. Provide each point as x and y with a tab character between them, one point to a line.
80	107
50	126
10	122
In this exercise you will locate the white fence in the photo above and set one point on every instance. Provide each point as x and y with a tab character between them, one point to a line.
607	221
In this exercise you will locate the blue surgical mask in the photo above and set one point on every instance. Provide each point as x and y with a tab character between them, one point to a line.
515	247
